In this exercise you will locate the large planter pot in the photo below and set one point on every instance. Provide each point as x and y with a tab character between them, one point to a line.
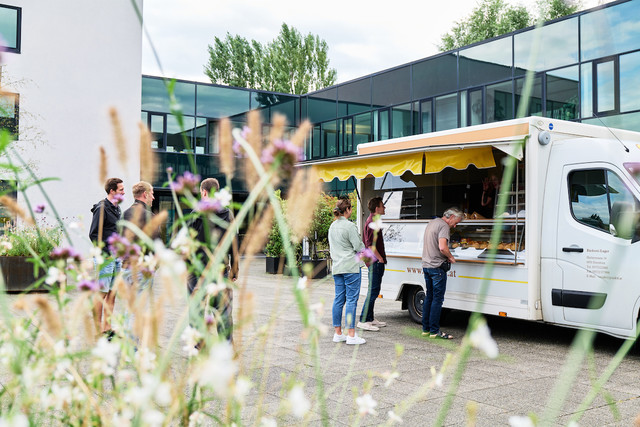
319	268
18	274
273	265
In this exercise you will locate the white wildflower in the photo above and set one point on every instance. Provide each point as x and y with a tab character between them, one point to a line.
106	354
299	403
224	197
191	338
96	254
5	246
519	421
393	417
268	422
366	405
59	348
243	386
438	378
218	369
20	333
76	225
302	283
31	375
162	395
214	289
171	266
60	396
15	420
153	418
376	224
481	339
389	377
122	419
146	359
54	275
126	376
182	242
197	419
138	397
62	370
7	353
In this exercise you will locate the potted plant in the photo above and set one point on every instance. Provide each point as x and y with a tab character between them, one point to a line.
21	249
274	251
318	237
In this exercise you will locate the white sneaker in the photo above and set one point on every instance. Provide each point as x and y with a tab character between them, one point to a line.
367	326
378	323
339	338
355	340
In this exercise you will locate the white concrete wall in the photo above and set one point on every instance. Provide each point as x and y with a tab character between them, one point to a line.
78	58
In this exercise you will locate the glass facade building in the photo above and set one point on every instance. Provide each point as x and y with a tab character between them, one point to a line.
584	67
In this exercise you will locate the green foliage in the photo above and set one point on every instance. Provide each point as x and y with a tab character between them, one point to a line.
24	241
492	18
291	63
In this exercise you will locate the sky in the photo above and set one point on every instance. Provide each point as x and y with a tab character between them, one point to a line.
364	36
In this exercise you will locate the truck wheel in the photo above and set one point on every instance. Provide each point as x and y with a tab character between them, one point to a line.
415	298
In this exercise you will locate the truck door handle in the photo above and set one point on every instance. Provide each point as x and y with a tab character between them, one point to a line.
572	249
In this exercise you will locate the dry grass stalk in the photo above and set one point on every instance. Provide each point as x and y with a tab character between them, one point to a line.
80	315
226	148
50	316
103	165
302	133
277	128
126	291
246	308
136	220
152	227
255	141
257	233
11	204
148	158
303	195
121	143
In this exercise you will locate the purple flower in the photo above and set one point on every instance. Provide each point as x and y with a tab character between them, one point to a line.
246	130
288	153
65	254
209	319
40	208
209	205
118	198
366	255
188	182
120	247
88	285
169	169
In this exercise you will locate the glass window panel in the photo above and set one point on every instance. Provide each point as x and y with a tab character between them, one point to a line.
557	46
214	141
586	89
415	118
157	131
562	93
624	207
401	120
499	102
9	27
630	82
485	63
185	94
339	137
475	107
348	136
322	106
355	96
144	118
384	125
534	105
178	139
330	138
270	103
391	88
426	116
605	86
9	113
218	102
463	108
629	121
376	128
363	132
447	112
435	76
610	30
154	95
200	136
316	143
589	204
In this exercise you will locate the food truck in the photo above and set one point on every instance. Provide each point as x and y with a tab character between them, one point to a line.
568	250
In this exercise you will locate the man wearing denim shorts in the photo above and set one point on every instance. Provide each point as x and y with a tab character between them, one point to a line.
435	251
106	214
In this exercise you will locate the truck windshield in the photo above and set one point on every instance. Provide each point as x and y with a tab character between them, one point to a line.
634	170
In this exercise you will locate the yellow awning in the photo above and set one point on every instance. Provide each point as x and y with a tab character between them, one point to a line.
480	157
377	166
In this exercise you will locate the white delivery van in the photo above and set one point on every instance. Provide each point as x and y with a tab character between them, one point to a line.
568	252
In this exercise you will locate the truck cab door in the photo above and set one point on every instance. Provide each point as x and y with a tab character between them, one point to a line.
594	251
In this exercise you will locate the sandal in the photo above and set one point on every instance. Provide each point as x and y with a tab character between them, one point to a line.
441	335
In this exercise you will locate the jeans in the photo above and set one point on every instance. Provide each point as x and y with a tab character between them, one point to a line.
108	273
436	281
376	271
347	290
142	283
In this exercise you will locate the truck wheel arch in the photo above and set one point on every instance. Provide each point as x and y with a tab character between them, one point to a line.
407	294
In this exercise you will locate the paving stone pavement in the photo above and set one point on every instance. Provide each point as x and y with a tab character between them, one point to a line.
518	382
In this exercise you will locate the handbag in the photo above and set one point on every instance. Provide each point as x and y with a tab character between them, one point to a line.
445	266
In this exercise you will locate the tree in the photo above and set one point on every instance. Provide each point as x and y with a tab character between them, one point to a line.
492	18
290	63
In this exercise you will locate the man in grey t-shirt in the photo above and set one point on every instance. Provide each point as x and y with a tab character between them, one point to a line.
435	251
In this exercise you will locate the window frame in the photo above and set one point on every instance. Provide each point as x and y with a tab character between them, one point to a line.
616	86
18	47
